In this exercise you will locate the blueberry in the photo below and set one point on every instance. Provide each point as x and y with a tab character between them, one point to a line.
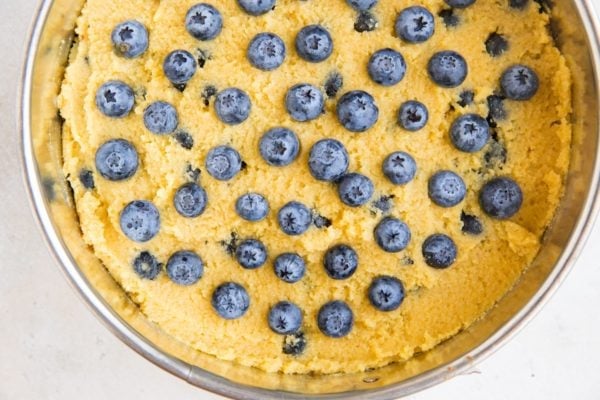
208	92
496	44
294	218
459	3
86	177
140	221
355	189
161	117
179	67
223	163
496	109
115	99
251	254
230	300
439	251
518	4
314	43
357	111
399	167
471	224
294	344
289	267
266	51
341	262
501	198
203	21
184	139
469	133
333	84
335	319
328	160
190	200
392	235
130	39
146	266
117	160
185	268
285	318
279	147
446	189
519	82
233	106
386	67
321	221
252	207
412	115
365	22
257	7
449	18
304	102
386	293
466	98
384	203
362	5
414	24
447	69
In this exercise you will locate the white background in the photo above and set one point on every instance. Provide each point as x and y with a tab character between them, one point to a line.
52	347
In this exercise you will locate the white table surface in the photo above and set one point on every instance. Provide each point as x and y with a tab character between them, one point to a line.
52	347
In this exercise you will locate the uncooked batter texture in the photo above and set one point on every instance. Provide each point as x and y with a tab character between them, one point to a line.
530	142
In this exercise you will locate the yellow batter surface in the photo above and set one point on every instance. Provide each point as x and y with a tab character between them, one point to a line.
439	303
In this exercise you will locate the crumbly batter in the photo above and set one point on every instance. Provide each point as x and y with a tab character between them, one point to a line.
439	303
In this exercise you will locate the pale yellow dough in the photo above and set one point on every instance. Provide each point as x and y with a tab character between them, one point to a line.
438	303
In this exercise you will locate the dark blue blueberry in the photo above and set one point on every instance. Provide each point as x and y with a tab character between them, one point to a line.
413	115
496	44
233	106
251	254
392	235
86	177
203	21
285	318
161	117
335	319
446	189
190	200
116	160
384	203
340	262
362	5
439	251
266	51
328	160
365	22
518	4
294	218
355	189
386	293
466	98
496	110
140	221
314	43
447	69
519	82
386	67
357	111
184	139
208	92
450	19
294	344
415	24
223	163
179	66
230	300
501	198
333	84
115	99
279	147
257	7
252	207
469	133
185	268
146	266
471	224
399	167
289	267
459	3
130	39
304	102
